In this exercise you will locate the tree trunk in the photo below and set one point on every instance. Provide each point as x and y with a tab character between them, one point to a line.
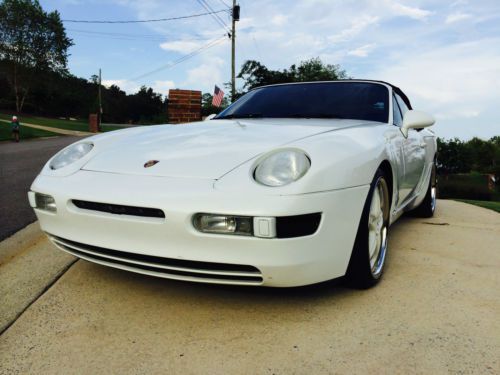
22	100
19	91
16	88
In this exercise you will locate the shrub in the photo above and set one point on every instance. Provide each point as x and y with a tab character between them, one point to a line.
466	186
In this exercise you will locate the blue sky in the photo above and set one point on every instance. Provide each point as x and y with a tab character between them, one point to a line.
444	54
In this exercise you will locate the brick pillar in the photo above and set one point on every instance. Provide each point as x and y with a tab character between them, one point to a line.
184	106
93	123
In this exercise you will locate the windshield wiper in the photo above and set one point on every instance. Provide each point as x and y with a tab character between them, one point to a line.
242	115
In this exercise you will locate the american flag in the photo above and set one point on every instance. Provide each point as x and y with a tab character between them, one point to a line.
218	95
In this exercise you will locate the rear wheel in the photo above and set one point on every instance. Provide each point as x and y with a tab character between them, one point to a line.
370	247
428	205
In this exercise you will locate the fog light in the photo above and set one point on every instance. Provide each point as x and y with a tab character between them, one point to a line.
222	224
45	202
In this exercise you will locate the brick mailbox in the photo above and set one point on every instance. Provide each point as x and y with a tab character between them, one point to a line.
184	106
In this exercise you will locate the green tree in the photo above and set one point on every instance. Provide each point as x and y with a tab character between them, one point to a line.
144	105
255	74
316	70
453	156
474	155
32	42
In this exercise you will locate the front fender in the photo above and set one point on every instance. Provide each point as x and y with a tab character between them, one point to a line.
339	160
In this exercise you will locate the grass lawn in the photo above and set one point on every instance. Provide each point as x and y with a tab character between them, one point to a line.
492	205
56	123
5	132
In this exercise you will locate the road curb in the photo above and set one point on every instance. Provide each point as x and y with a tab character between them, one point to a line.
20	241
29	266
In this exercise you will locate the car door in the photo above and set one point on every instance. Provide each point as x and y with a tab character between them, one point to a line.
414	156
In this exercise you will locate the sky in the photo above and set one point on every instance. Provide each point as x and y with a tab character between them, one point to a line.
445	55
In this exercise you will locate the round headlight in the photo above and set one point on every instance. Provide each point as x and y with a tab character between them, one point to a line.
282	168
70	155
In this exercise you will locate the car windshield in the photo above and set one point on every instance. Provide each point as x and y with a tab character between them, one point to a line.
343	100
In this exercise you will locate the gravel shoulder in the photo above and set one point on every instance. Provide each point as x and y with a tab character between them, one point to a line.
435	311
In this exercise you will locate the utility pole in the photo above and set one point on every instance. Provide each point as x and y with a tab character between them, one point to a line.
235	17
100	101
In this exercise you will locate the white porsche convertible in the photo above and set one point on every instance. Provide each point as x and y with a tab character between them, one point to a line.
292	184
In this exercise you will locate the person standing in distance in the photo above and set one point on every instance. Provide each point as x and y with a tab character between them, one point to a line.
15	126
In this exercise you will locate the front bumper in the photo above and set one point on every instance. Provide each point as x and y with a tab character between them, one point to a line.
278	262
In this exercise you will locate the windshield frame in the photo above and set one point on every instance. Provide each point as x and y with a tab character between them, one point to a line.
225	116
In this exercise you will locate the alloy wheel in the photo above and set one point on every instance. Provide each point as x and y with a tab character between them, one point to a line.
377	227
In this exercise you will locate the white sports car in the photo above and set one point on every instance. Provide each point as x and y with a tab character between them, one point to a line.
292	184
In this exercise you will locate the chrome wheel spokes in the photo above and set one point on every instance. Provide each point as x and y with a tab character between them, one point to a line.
433	188
377	227
433	198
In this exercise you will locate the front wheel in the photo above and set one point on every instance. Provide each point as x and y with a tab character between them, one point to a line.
370	247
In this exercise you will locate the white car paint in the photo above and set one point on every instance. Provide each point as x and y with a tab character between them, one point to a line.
208	167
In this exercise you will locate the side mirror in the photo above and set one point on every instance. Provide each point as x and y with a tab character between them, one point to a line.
416	120
209	117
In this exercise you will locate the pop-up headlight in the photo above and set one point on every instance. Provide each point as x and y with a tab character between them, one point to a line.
70	154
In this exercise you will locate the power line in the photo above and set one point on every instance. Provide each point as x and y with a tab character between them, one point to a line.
226	4
125	36
211	10
212	13
183	58
214	16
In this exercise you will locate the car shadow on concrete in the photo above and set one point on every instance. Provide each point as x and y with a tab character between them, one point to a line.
168	288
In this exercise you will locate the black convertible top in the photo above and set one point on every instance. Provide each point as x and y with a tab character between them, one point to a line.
396	89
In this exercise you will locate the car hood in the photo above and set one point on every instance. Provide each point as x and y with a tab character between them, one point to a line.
207	149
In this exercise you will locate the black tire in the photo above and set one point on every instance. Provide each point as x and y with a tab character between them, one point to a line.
428	205
361	273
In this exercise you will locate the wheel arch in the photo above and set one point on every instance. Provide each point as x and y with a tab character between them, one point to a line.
386	167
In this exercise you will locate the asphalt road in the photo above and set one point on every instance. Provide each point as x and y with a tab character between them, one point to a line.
19	165
436	311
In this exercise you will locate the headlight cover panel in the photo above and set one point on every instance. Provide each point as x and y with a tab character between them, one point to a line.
282	167
70	154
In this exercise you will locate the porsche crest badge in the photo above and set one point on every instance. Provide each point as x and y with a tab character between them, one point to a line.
150	163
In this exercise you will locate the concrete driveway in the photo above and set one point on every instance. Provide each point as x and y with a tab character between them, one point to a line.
435	312
19	165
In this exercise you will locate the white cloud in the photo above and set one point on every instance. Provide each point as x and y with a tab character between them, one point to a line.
358	25
408	11
362	51
182	46
279	20
458	3
456	17
456	83
162	87
245	23
206	74
129	87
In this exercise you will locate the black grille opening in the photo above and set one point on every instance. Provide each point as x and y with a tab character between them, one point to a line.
297	226
119	209
163	270
181	263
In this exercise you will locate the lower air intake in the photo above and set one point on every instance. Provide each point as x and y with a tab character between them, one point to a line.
118	209
181	269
